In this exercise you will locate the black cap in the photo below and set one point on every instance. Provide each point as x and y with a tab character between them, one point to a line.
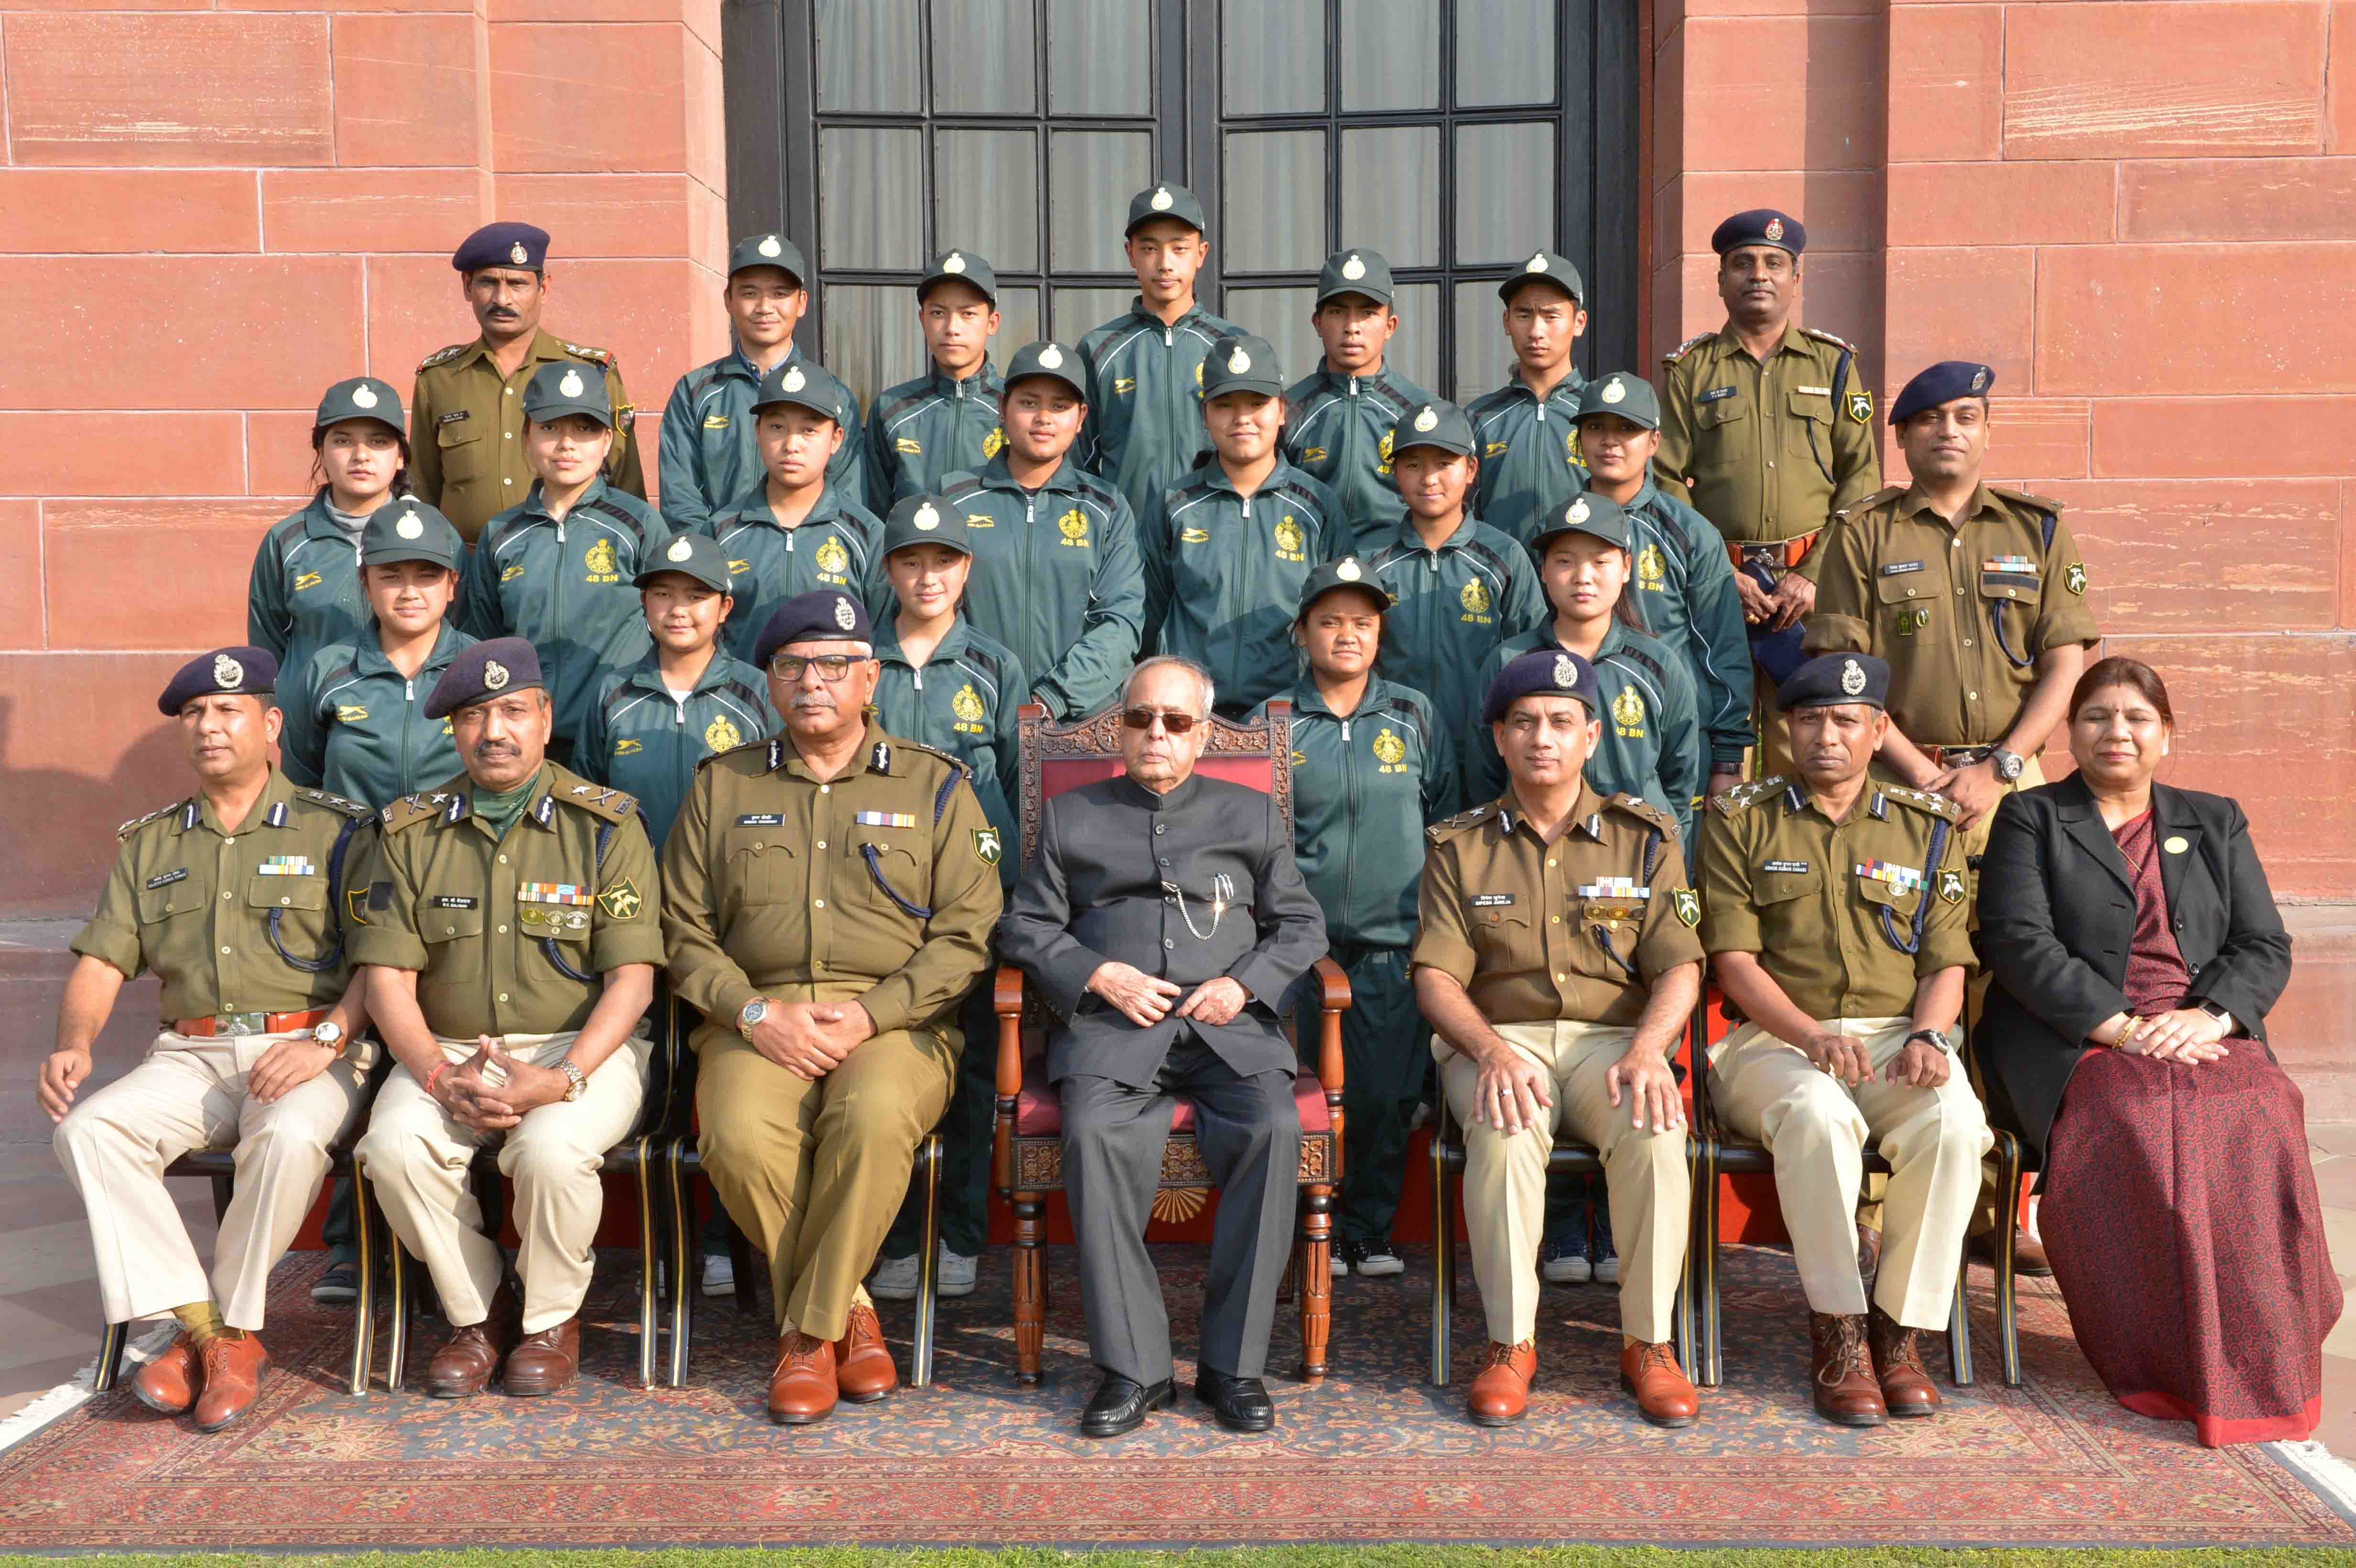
1630	398
1543	672
1546	267
409	530
361	398
502	245
483	671
237	672
568	387
766	251
691	555
1334	577
827	615
798	383
1358	271
1585	513
1759	226
1050	360
960	267
927	520
1165	201
1443	425
1942	383
1830	679
1241	363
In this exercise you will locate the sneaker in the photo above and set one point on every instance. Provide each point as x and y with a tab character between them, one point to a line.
957	1274
895	1279
1563	1259
719	1274
1606	1256
1373	1260
339	1287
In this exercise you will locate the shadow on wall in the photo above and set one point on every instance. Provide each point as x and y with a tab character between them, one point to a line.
62	821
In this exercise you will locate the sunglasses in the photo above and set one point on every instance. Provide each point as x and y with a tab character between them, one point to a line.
1143	717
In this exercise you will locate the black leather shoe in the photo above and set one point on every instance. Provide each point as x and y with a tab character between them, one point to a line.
1241	1404
1121	1404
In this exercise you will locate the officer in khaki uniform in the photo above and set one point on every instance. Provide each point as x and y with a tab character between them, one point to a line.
1557	962
232	896
467	410
510	934
1834	916
828	895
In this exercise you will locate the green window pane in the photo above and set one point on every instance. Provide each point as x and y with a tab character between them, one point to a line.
1274	198
986	195
855	163
1390	191
1390	55
864	52
1505	192
1272	57
1504	52
984	61
1100	56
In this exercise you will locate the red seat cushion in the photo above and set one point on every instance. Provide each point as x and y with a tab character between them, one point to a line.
1039	1112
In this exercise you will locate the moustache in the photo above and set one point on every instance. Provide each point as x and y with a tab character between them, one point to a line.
813	701
485	751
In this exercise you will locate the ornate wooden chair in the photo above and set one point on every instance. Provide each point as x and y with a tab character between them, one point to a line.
1028	1148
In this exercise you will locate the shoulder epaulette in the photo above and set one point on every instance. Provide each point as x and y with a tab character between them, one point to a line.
1687	346
1643	810
411	809
2042	503
443	356
761	745
136	823
950	758
1827	337
1440	832
612	805
350	808
1923	800
1742	797
1868	503
594	355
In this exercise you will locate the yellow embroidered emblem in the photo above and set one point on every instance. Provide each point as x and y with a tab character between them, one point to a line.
1290	540
1652	572
625	748
601	564
1628	712
1074	525
994	442
909	445
1474	597
1389	750
832	556
349	713
1193	535
621	900
308	580
966	704
512	572
723	736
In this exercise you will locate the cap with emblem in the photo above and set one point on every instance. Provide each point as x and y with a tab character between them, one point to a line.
824	616
927	520
1359	272
766	251
485	671
1630	398
1165	201
361	398
1548	268
1942	383
409	530
960	267
1050	360
1443	425
1335	577
691	555
1759	226
236	672
564	387
1585	513
1541	672
1830	680
502	245
1241	364
800	384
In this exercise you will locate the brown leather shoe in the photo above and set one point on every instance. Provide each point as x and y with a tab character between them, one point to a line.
168	1384
2028	1255
1868	1251
802	1388
1663	1395
863	1368
544	1362
1906	1386
1841	1373
1501	1388
463	1367
233	1369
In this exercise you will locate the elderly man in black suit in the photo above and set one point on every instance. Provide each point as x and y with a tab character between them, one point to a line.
1165	922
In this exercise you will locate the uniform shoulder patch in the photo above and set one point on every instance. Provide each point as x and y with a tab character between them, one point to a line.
411	809
350	808
1829	337
1643	810
1440	832
953	759
161	812
1742	797
2023	497
1868	503
594	355
1687	346
443	356
612	805
1923	800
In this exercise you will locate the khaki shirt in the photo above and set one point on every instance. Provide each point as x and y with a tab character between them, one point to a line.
511	934
1576	929
879	886
249	921
1832	908
466	425
1767	451
1960	611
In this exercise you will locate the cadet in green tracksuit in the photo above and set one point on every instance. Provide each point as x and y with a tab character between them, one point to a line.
1372	765
1056	576
1338	420
949	687
1144	370
1228	547
945	421
1530	464
793	532
556	569
708	458
361	729
1458	587
653	724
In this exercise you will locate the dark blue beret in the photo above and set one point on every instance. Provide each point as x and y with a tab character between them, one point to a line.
1830	679
1942	383
1761	226
482	672
502	245
1541	672
826	615
240	672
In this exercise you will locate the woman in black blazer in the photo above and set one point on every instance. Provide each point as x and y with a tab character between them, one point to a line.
2137	950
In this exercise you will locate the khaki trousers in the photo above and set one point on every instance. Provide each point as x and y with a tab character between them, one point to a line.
1650	1185
418	1157
815	1172
189	1094
1817	1126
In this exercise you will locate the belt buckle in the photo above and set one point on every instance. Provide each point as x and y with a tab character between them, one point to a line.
239	1023
1770	556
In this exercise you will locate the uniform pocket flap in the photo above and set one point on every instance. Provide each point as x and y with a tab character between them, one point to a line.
1817	406
1779	881
179	897
458	432
445	919
286	893
1721	411
1908	581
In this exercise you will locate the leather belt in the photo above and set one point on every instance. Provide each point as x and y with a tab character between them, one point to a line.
248	1023
1780	556
1958	756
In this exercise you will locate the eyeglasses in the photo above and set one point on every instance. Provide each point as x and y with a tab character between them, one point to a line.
1143	717
831	668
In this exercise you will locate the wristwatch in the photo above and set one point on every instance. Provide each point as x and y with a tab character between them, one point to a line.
2214	1011
576	1082
1934	1037
2007	764
754	1012
331	1035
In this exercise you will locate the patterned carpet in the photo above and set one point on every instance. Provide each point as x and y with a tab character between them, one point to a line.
1374	1455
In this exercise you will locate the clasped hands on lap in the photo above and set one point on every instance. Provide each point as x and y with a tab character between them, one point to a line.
1146	999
